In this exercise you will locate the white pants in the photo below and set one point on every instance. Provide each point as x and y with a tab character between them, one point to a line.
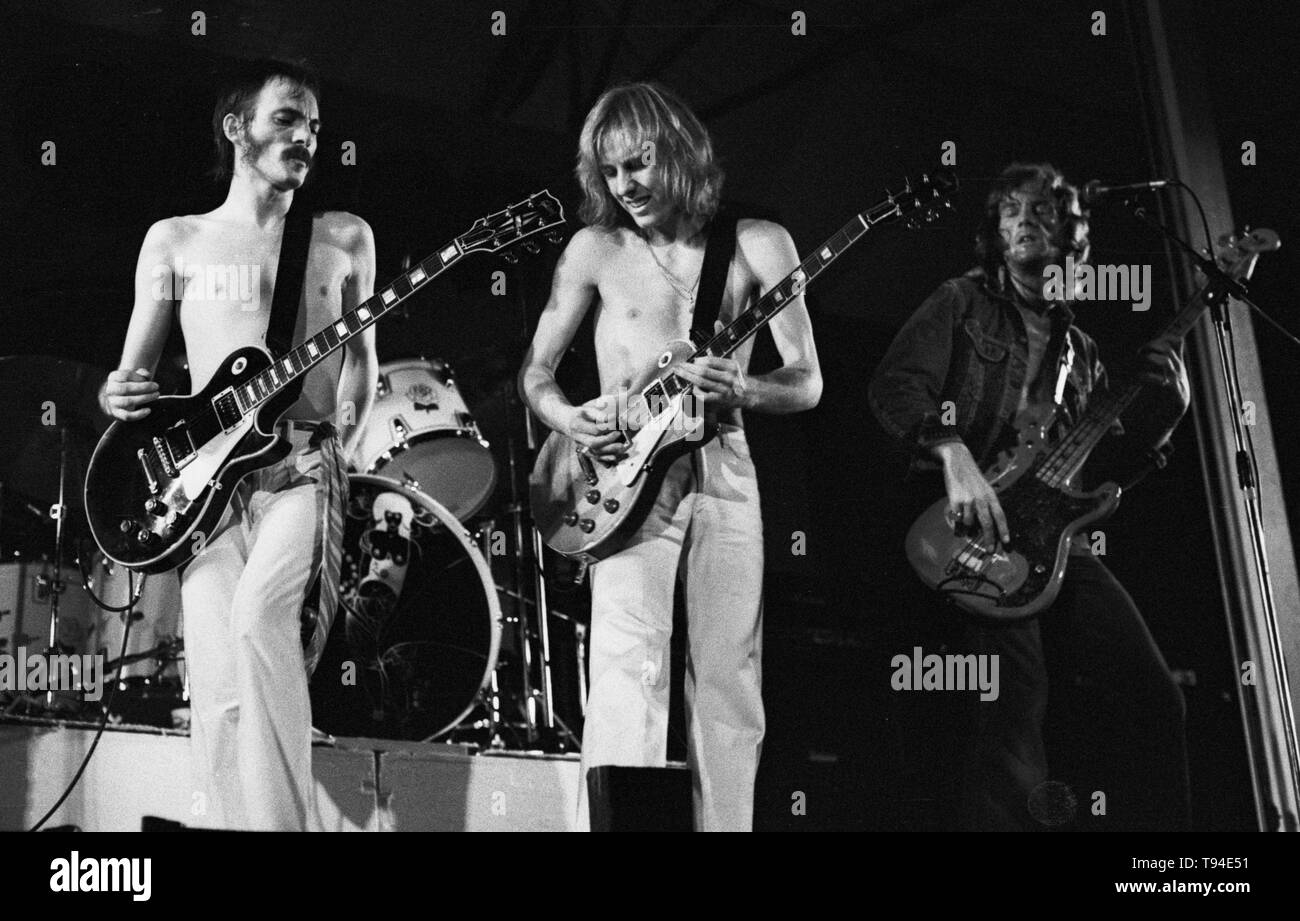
706	529
250	714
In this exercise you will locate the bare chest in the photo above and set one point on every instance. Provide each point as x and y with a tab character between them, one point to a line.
226	285
644	305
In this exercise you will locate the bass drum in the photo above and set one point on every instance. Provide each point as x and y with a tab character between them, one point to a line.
419	623
420	433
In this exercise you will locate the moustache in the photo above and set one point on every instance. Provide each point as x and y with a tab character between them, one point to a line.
298	154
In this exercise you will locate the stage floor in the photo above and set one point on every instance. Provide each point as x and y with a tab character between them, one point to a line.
361	784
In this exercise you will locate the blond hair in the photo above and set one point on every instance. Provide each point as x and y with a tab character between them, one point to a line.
683	151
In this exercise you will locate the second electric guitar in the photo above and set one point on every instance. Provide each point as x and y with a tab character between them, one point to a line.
585	508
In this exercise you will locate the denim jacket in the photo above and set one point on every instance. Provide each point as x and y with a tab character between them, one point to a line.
967	344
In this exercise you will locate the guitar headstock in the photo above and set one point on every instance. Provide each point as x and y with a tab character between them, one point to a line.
1237	254
538	214
919	203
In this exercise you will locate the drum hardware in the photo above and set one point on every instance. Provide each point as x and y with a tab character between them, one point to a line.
550	733
424	652
52	410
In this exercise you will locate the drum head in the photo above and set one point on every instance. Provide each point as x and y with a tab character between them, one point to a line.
456	469
418	629
421	433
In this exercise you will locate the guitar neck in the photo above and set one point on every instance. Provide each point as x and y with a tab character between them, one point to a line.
751	320
1071	452
299	360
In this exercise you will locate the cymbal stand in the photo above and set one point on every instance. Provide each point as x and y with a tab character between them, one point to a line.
552	734
59	513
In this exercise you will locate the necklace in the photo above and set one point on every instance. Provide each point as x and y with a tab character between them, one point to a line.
686	292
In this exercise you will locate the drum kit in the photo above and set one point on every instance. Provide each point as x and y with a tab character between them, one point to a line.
423	581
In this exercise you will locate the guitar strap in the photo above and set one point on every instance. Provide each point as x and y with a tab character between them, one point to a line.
289	275
719	249
1064	364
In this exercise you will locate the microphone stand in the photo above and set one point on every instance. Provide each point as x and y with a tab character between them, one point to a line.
1218	288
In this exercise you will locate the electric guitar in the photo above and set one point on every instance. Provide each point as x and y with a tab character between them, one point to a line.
156	488
584	508
1034	482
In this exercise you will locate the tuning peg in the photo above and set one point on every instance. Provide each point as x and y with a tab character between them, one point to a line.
531	247
510	256
554	237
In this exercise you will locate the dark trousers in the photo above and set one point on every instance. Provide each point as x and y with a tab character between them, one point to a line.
1087	729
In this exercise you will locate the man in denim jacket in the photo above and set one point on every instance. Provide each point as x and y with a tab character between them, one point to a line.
979	350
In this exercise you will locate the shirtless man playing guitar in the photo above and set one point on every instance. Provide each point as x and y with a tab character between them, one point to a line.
244	593
651	187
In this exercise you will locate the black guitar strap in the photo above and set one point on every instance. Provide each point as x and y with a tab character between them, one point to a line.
289	277
718	251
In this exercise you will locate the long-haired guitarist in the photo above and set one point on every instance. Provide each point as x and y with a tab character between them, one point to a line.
979	350
651	187
244	593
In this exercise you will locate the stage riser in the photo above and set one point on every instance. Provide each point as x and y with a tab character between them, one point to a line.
408	788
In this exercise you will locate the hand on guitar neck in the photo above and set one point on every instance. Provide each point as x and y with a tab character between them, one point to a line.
971	498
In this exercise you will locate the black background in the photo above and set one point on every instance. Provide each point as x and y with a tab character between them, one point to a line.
450	122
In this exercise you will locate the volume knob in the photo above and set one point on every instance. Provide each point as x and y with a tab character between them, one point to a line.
611	505
587	525
593	496
571	518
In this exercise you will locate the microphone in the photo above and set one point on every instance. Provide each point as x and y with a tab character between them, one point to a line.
1095	190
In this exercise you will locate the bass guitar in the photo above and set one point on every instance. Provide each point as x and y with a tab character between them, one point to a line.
156	488
1034	483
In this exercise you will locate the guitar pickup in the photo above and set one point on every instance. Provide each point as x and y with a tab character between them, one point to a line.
179	445
226	407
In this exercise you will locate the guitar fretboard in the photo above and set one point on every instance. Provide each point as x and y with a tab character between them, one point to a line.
301	359
1070	454
750	321
539	213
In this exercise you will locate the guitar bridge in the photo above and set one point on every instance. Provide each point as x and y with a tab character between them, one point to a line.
143	456
161	450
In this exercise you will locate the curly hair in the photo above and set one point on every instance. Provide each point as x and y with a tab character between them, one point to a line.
630	115
238	96
1043	179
